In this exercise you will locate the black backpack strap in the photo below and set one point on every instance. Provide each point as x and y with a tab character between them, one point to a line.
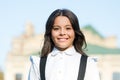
82	67
42	67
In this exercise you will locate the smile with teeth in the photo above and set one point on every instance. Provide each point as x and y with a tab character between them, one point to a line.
62	39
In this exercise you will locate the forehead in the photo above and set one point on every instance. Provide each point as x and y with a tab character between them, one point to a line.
61	20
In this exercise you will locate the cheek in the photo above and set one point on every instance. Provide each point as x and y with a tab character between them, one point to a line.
53	35
72	34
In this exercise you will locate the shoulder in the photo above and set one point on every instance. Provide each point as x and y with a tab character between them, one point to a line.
35	60
34	68
92	59
92	68
92	62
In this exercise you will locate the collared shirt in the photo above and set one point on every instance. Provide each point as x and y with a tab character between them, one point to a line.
63	65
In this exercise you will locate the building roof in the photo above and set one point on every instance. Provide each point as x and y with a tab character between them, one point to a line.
93	30
94	49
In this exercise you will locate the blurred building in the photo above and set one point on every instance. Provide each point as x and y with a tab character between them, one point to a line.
106	52
28	43
17	60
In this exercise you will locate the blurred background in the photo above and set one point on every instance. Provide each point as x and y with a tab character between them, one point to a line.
22	26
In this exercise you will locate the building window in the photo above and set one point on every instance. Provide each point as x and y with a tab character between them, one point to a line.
18	76
116	76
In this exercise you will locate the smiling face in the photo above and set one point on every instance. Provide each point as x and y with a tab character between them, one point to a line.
62	33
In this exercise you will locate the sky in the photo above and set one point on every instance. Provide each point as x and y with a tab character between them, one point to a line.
103	15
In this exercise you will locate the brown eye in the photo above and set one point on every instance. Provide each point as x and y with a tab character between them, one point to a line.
68	28
55	28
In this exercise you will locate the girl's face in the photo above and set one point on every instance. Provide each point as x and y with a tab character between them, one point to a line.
62	33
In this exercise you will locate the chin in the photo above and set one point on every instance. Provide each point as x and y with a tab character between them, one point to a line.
62	47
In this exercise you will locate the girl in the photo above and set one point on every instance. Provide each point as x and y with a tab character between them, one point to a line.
62	51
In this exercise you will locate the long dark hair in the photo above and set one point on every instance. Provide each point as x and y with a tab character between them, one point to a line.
79	40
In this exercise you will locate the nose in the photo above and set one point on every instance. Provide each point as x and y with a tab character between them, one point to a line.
62	32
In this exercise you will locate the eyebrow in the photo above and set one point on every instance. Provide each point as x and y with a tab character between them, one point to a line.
59	26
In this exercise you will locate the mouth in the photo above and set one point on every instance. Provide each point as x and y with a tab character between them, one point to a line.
62	39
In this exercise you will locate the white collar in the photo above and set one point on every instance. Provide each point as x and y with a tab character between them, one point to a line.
70	51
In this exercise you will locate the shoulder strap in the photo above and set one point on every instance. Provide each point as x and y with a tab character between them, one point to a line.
42	67
82	67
